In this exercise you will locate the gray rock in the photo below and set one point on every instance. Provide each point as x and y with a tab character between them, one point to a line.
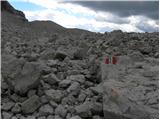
46	110
77	78
76	117
7	115
55	95
83	110
53	104
68	116
16	108
61	55
31	117
44	99
137	56
7	106
31	104
96	117
4	86
28	78
42	117
61	111
69	100
50	117
97	89
47	54
96	108
80	53
31	93
74	87
82	96
14	117
51	79
53	63
64	83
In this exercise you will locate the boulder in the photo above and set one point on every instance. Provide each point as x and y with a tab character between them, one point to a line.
51	79
16	109
31	104
60	55
124	91
61	111
7	115
78	78
64	83
47	54
28	78
7	106
20	75
46	110
83	110
55	95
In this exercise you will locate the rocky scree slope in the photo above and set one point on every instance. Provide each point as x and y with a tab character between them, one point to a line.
49	71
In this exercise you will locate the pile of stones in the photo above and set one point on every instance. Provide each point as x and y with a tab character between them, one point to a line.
64	76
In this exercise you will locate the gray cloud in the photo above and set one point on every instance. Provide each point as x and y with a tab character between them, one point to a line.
147	27
124	8
112	19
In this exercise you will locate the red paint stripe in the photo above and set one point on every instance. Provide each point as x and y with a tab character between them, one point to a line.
106	61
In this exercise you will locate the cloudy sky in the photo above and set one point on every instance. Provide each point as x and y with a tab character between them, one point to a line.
97	16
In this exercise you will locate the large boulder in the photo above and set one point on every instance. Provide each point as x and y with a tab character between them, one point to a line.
20	75
126	91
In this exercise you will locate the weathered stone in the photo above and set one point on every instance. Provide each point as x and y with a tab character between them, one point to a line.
53	63
74	87
82	96
53	104
83	110
43	117
55	95
61	111
7	115
31	93
50	117
16	108
96	108
77	78
46	110
76	117
68	100
61	55
47	54
7	106
31	104
51	79
31	117
28	78
98	89
44	99
64	83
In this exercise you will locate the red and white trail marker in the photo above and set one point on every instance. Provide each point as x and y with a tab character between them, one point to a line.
111	60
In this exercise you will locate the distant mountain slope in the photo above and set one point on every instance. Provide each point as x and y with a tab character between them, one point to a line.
12	17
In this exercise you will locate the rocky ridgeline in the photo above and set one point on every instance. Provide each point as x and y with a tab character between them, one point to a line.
63	75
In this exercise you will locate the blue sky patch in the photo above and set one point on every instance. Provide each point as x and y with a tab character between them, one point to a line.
24	6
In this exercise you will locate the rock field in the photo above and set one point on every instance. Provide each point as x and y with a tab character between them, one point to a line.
51	72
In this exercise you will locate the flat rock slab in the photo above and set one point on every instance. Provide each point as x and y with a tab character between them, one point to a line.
126	91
